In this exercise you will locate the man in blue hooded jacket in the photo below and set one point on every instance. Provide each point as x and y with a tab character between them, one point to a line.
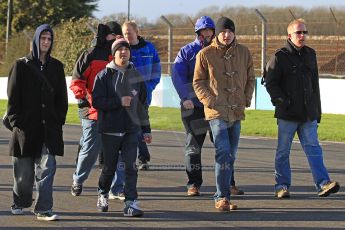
192	110
145	58
37	108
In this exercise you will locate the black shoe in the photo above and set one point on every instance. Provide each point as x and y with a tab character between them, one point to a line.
49	216
16	210
132	209
143	165
76	189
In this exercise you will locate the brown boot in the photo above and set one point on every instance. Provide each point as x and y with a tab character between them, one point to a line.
282	193
236	191
328	188
222	204
193	191
233	206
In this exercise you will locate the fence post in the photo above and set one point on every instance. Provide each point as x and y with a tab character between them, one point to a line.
263	40
292	14
9	23
170	42
337	34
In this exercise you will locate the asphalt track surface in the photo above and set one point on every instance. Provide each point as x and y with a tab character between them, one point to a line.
162	191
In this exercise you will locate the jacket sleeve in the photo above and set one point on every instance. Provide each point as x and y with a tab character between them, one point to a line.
317	86
79	76
101	98
249	88
156	70
143	108
273	78
180	75
201	81
61	99
14	93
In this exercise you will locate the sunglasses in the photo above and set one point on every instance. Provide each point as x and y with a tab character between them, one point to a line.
299	32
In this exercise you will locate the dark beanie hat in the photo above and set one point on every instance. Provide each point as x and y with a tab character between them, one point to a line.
117	44
224	23
114	28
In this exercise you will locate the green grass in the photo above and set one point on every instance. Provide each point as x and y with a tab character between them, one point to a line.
257	123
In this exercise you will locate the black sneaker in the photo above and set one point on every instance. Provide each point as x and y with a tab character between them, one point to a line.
102	203
49	216
132	209
16	210
328	188
76	189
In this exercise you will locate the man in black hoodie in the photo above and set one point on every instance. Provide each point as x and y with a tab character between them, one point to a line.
90	62
37	108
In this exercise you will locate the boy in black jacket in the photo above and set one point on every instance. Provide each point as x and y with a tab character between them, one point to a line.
119	95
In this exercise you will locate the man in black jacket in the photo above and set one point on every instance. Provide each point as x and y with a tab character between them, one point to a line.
37	108
292	81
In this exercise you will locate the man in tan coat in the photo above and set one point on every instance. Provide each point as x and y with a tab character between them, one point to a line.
224	83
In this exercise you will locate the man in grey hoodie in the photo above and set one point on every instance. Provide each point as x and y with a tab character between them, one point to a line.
37	108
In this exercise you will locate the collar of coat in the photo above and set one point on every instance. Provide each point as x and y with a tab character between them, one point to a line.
219	45
294	50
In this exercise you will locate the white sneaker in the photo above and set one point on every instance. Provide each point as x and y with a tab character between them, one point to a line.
102	203
116	196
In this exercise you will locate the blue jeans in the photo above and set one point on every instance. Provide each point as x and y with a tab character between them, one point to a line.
196	129
26	171
226	136
117	185
307	134
112	145
90	148
119	179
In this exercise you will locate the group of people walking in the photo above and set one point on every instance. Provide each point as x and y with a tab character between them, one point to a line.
113	82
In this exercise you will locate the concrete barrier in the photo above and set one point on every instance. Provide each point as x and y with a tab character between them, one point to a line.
332	94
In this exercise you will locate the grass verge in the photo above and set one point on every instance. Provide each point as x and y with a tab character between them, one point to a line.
257	123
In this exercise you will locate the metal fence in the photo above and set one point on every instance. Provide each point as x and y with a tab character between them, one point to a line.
262	37
330	48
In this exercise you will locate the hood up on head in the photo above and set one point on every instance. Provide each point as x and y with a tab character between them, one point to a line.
36	41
